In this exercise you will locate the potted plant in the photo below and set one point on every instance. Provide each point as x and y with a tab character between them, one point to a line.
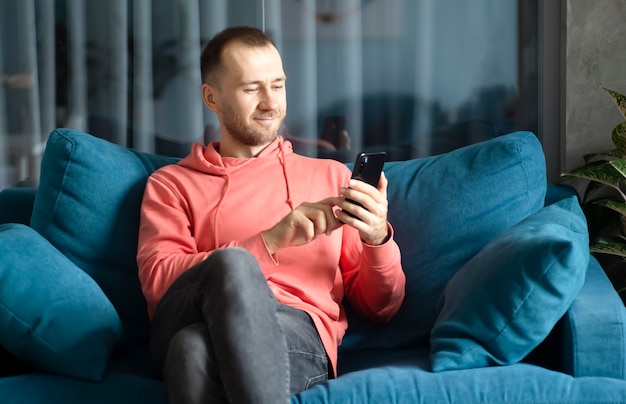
603	199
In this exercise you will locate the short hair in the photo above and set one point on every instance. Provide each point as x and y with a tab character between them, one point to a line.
210	58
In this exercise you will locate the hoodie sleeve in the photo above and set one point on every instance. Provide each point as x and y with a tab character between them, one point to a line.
373	278
166	244
166	247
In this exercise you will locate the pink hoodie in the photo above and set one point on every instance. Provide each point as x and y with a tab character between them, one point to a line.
208	202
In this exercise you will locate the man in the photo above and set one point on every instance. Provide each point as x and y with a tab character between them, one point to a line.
245	251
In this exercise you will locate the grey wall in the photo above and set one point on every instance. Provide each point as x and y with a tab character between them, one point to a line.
595	55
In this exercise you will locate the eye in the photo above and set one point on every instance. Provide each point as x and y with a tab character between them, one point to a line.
250	90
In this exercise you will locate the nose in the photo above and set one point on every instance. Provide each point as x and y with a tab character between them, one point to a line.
269	101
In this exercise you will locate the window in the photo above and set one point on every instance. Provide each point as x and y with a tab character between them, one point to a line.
413	78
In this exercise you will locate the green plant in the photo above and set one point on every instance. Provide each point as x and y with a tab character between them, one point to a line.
603	198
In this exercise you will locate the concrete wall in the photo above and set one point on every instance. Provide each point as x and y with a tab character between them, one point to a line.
595	55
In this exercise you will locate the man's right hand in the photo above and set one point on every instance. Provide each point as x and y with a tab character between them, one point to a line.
302	225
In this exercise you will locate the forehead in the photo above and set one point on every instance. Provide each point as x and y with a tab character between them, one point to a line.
246	63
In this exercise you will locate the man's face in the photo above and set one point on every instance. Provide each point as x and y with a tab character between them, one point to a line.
251	100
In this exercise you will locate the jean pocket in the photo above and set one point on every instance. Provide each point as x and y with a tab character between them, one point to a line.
306	370
316	380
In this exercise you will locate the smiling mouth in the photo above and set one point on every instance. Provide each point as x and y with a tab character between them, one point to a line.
266	120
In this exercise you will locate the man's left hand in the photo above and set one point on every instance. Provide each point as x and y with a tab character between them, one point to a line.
371	217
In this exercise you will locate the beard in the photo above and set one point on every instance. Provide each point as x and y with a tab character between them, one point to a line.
247	133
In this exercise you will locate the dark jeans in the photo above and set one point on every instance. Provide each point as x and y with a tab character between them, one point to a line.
219	335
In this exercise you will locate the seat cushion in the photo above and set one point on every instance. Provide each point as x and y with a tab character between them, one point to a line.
115	387
87	205
53	316
399	377
507	299
444	209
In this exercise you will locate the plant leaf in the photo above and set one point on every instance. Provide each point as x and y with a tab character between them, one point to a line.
620	166
618	135
619	207
599	171
615	153
618	99
604	246
604	223
591	189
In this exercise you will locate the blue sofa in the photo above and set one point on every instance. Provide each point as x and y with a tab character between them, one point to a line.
503	303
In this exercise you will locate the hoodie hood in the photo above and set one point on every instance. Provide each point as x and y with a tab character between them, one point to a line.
207	159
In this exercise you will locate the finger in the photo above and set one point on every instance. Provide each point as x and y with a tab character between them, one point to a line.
346	217
360	186
323	216
382	183
330	202
306	227
353	196
378	193
354	209
331	221
371	228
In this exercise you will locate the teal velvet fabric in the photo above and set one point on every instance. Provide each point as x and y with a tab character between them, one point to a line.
444	209
53	316
115	387
16	205
87	205
594	332
505	301
404	376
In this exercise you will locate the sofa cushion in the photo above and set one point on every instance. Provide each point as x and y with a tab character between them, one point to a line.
87	205
115	387
507	299
402	377
53	316
16	205
444	209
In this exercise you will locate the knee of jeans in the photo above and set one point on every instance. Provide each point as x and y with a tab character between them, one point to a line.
232	267
188	346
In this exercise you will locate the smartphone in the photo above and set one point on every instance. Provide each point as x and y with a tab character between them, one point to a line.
367	168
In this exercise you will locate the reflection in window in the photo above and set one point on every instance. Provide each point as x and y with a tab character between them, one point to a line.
411	78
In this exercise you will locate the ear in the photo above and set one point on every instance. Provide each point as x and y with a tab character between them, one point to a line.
209	97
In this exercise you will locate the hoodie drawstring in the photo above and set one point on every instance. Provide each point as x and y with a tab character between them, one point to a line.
226	177
284	162
217	210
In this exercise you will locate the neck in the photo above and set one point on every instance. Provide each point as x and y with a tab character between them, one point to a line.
228	148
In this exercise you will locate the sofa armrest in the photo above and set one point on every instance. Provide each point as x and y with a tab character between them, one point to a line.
16	205
594	329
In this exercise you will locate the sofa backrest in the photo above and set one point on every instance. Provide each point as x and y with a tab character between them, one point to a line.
444	209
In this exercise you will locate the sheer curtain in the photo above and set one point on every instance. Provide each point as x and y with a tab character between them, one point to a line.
123	70
22	121
414	78
402	73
